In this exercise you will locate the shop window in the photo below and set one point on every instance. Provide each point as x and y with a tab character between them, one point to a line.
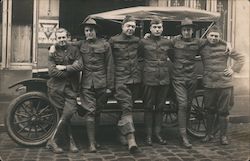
222	7
1	20
201	4
177	2
21	31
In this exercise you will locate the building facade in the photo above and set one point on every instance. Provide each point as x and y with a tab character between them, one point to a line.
27	30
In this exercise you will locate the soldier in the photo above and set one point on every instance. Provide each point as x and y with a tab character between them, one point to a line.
184	77
217	80
97	76
127	77
63	87
156	79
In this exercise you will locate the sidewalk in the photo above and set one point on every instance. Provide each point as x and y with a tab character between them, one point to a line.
238	150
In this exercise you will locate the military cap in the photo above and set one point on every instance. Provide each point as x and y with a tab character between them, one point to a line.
128	18
187	22
90	22
214	28
156	20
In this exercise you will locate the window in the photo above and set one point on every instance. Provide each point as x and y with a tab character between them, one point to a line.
21	31
177	2
1	22
201	4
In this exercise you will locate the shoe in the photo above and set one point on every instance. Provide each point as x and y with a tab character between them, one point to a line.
224	140
160	140
97	145
207	138
92	148
186	143
73	148
51	145
132	146
149	141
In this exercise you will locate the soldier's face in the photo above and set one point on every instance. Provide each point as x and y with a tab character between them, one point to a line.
61	38
213	37
89	32
187	32
156	29
129	28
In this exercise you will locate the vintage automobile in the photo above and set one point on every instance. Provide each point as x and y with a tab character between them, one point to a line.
31	118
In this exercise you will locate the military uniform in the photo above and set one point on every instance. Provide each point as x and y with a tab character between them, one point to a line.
62	91
218	86
97	73
184	75
156	79
97	77
127	79
126	70
63	85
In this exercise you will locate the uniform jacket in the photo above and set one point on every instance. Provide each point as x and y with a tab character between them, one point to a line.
97	63
63	56
153	51
126	61
215	61
184	58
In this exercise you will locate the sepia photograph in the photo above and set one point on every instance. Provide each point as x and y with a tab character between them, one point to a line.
124	80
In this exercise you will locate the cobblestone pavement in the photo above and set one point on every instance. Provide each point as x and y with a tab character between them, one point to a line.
238	150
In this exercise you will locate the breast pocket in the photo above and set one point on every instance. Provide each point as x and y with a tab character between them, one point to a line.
193	47
179	45
120	46
164	48
84	50
99	53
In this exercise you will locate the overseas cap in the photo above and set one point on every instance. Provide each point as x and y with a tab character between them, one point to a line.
214	28
156	20
187	22
128	18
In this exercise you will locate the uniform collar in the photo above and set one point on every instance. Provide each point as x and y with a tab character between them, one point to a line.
65	47
155	37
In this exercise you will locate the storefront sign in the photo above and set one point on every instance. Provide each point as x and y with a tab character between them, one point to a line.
46	31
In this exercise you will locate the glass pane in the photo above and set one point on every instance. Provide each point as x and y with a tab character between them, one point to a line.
201	4
1	20
222	7
177	2
21	33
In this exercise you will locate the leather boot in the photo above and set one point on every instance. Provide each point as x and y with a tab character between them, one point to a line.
158	124
91	135
51	144
148	119
72	144
223	130
132	146
209	134
184	138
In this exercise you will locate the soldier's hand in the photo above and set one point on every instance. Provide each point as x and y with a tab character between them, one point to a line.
229	47
61	67
146	36
228	72
52	49
108	91
177	37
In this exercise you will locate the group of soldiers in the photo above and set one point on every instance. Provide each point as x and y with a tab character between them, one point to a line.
114	66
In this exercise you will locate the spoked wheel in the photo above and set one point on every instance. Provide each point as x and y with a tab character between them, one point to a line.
30	119
170	118
196	125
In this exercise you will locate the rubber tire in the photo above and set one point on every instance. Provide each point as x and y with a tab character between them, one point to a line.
11	110
197	134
